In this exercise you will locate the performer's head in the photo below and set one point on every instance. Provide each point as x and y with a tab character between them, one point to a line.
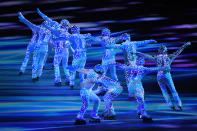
65	24
126	36
99	69
140	61
75	30
106	32
162	49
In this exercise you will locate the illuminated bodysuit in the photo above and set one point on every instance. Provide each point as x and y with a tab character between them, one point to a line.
41	51
136	74
78	42
129	49
31	45
113	90
59	33
164	78
109	54
87	95
41	48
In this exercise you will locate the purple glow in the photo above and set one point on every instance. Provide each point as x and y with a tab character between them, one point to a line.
170	38
185	65
135	3
106	9
183	26
11	3
64	9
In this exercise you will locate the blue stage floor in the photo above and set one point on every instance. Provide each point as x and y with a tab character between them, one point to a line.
41	106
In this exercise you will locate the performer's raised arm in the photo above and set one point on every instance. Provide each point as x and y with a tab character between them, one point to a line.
46	18
27	22
150	57
144	43
155	69
175	54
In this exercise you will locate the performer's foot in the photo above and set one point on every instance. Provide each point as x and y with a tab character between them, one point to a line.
95	120
67	83
146	119
80	121
131	98
180	108
58	84
113	117
71	87
37	78
139	115
34	79
20	73
173	108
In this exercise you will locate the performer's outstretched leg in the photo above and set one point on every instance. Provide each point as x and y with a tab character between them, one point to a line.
174	93
96	101
36	57
65	65
85	103
43	56
141	110
29	51
113	72
57	61
109	113
166	96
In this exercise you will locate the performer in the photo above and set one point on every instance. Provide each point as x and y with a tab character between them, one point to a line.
61	47
136	73
109	54
164	78
41	47
88	94
113	90
129	49
79	49
31	45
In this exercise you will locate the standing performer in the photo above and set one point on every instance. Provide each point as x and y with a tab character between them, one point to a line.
164	78
31	45
78	42
136	74
41	47
129	49
109	54
59	31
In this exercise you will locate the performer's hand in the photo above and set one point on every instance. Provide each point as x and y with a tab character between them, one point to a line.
20	16
38	10
188	43
153	41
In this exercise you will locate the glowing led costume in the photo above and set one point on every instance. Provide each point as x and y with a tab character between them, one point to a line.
41	48
164	78
88	94
113	90
136	74
31	45
109	54
79	49
59	32
129	49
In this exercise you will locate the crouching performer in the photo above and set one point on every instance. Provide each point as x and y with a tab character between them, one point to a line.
94	76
